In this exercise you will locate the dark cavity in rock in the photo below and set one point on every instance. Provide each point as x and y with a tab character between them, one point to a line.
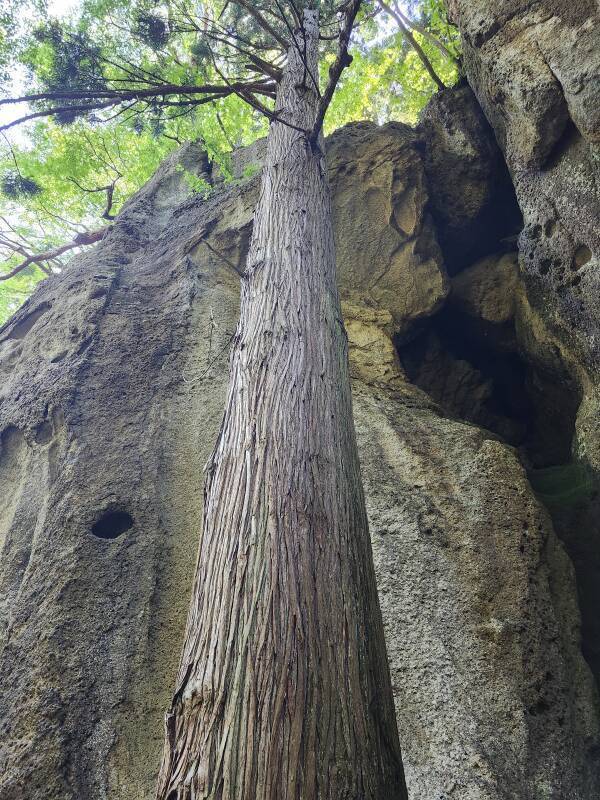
112	524
477	373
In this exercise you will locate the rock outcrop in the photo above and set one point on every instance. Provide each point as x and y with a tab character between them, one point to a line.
471	195
535	68
490	685
114	376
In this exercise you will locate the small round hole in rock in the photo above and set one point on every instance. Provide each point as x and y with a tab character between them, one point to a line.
112	524
582	255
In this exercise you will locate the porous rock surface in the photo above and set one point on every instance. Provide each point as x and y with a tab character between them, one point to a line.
471	195
113	381
535	68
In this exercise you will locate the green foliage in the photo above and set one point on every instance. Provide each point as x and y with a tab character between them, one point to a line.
250	170
64	59
196	184
15	19
121	43
14	293
387	80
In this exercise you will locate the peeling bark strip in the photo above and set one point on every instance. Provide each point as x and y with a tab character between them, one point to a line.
284	690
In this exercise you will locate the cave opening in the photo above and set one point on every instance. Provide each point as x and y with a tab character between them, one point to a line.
477	372
112	524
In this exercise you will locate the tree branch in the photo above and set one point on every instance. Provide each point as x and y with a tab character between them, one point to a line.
343	60
130	94
427	34
211	92
81	240
109	189
247	5
415	45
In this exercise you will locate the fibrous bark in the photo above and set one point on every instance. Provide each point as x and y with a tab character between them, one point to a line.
283	689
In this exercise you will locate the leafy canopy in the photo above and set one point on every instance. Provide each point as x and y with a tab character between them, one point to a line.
119	78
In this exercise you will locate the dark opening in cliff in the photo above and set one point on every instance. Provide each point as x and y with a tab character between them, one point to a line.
112	524
476	372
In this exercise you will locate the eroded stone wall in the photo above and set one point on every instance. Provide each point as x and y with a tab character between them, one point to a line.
114	376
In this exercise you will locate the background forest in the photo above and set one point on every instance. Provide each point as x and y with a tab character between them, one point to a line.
66	171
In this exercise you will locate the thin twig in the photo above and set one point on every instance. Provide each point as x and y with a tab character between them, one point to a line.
426	33
249	7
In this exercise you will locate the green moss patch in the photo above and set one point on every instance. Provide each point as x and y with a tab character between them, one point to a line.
563	486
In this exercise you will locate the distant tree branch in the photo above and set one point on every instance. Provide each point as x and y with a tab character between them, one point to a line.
426	33
12	152
81	240
103	98
248	5
59	110
129	94
217	33
343	60
415	45
109	189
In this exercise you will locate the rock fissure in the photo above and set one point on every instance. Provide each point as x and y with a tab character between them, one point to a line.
477	372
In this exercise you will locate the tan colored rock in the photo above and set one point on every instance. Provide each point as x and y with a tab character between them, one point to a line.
373	356
487	289
114	375
387	253
533	66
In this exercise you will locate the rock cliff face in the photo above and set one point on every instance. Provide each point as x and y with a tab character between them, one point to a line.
113	381
535	68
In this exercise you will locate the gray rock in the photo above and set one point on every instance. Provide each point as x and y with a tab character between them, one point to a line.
471	195
535	68
114	375
493	698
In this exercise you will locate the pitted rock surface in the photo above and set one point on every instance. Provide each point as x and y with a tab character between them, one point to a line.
114	377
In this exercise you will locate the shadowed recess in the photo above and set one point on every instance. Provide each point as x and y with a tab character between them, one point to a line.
479	374
112	524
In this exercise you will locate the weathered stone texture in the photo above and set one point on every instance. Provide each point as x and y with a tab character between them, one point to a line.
535	68
387	252
471	195
485	697
114	376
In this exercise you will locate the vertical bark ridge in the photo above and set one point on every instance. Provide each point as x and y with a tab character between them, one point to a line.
284	690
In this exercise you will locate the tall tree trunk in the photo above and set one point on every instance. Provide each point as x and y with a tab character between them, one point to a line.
284	690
